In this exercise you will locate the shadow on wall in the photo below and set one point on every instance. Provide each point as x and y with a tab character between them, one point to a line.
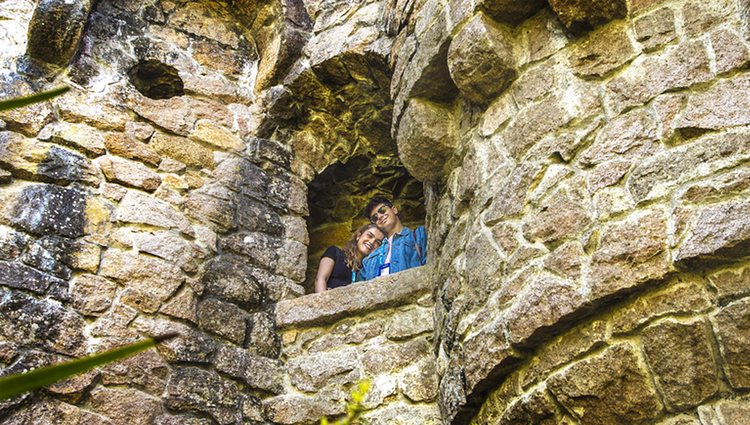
337	195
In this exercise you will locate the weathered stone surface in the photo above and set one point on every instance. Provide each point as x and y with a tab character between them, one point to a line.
602	51
20	276
72	390
544	35
164	244
725	412
732	327
190	388
566	260
58	256
55	412
684	294
570	345
292	263
699	16
125	405
401	412
581	15
419	382
719	107
391	357
543	304
77	136
153	277
655	29
648	76
731	283
481	59
630	252
328	307
657	175
129	173
213	134
293	409
607	173
313	372
46	209
608	388
409	324
147	370
629	136
731	183
561	215
253	216
681	357
258	372
12	243
426	139
182	149
127	146
33	160
720	231
486	354
182	306
224	319
730	51
262	338
91	294
139	208
536	407
231	278
56	29
28	322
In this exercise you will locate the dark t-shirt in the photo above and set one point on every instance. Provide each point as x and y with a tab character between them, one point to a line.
342	274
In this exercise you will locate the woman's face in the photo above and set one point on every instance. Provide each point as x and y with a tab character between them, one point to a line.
369	241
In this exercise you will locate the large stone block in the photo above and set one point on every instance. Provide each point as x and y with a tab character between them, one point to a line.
33	160
46	210
602	51
389	358
630	252
258	372
542	308
78	136
655	29
32	323
510	11
582	15
146	370
656	176
56	29
19	276
127	146
49	411
182	149
719	232
129	173
426	138
609	388
224	319
313	372
231	278
734	412
632	135
732	327
125	406
481	59
153	277
561	215
289	409
731	283
684	294
194	389
139	208
262	338
681	357
168	245
487	354
649	75
721	106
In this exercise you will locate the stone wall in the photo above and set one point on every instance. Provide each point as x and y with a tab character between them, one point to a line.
587	174
379	330
141	202
585	170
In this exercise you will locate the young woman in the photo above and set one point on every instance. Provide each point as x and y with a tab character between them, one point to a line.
339	267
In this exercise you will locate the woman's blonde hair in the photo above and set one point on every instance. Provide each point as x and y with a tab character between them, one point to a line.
350	250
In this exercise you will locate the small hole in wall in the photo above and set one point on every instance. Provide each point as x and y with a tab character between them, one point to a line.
338	194
156	80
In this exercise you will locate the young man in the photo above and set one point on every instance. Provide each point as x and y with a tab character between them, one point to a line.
402	249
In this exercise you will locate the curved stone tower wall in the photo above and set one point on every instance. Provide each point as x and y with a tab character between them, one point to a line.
586	167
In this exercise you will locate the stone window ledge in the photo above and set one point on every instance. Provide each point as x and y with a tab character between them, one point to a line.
326	308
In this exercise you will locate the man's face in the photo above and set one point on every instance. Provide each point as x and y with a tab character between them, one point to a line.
384	216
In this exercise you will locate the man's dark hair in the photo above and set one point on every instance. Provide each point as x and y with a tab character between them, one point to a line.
374	202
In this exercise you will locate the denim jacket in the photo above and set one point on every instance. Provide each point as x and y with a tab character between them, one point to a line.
403	255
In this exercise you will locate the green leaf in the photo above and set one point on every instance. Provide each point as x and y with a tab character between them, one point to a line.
17	384
20	102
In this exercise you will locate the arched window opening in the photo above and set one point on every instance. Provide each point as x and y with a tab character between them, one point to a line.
337	196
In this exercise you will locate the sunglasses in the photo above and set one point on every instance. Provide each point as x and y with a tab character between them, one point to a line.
374	218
